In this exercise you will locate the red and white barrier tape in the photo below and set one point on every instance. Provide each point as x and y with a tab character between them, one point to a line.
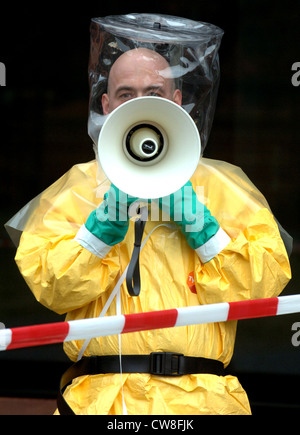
39	335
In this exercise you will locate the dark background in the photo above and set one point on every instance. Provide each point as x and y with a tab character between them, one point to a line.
43	125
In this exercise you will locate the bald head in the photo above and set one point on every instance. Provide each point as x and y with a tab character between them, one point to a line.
138	73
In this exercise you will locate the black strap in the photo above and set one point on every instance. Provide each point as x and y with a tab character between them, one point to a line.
133	280
157	363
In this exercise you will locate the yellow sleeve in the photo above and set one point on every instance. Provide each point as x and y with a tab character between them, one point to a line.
254	265
62	275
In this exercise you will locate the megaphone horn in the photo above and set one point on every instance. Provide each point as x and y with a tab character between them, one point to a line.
149	147
145	143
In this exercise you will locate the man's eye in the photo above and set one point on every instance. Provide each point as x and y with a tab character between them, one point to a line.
126	96
153	94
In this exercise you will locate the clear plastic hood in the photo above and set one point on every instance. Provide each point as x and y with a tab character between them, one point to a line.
189	47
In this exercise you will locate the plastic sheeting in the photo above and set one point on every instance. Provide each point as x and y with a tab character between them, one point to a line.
190	48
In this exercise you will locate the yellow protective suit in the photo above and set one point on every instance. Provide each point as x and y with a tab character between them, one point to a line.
67	278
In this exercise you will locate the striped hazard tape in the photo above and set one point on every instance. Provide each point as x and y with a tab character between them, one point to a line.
38	335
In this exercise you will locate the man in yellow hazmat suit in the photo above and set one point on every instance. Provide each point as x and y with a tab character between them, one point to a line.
72	261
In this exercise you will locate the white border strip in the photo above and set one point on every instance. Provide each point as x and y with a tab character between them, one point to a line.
202	314
100	327
5	338
288	305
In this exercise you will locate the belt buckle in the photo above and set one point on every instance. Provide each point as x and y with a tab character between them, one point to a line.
165	364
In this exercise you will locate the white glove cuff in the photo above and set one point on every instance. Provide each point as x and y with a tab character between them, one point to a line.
90	242
213	246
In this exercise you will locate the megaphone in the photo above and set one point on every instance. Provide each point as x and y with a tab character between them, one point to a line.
149	147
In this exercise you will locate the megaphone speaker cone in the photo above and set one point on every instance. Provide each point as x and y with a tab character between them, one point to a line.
149	147
144	143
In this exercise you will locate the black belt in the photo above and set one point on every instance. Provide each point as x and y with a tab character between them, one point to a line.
157	363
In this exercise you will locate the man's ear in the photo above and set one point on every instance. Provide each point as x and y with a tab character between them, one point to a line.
177	97
105	104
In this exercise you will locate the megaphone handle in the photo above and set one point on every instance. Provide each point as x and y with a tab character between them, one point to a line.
133	279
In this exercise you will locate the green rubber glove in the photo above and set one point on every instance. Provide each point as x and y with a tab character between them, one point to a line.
110	221
193	218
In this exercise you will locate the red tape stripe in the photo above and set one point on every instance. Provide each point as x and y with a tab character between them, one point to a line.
152	320
37	335
252	309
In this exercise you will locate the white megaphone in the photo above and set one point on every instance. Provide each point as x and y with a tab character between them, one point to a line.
149	147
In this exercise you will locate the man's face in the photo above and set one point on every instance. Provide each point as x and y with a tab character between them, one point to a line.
139	73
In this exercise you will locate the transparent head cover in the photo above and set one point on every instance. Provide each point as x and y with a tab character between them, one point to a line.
189	49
